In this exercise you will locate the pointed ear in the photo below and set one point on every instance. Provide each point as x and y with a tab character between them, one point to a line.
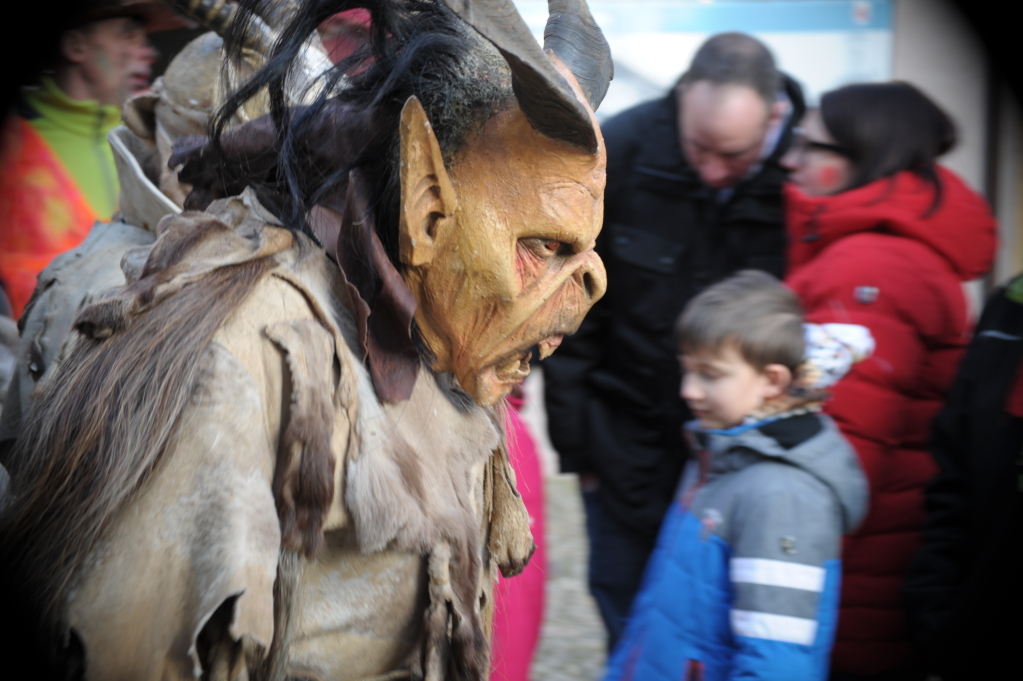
427	195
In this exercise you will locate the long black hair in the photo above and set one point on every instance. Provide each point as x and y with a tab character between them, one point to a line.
415	47
887	128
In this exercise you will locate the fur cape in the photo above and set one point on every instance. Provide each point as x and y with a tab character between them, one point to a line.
207	481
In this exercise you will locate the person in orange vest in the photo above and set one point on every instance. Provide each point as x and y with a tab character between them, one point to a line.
57	173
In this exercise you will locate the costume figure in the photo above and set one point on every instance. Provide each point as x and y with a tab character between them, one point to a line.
262	459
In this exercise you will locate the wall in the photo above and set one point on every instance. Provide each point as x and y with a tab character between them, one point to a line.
936	50
1008	185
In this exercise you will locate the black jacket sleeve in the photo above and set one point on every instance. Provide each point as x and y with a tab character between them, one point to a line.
974	443
932	584
566	373
566	390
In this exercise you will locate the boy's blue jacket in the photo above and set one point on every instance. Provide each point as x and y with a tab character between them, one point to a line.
744	581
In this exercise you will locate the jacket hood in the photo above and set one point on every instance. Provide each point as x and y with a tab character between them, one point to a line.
961	229
826	455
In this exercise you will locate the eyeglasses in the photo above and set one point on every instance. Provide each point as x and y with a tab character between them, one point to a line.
801	144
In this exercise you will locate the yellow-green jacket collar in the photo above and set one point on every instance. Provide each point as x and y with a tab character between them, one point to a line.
78	116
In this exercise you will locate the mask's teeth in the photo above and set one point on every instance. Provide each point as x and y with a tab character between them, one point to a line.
515	369
548	345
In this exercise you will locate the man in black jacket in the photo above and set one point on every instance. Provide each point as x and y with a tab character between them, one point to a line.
963	589
693	195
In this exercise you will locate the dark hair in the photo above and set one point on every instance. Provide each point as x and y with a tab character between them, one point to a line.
735	59
751	310
415	48
886	128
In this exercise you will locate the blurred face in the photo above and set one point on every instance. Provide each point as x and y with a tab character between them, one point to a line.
140	67
721	388
113	57
818	165
722	128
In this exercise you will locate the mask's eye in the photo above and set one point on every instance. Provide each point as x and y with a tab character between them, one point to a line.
546	248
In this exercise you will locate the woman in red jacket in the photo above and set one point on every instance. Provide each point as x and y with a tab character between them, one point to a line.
880	235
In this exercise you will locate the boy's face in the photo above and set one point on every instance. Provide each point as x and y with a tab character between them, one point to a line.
721	388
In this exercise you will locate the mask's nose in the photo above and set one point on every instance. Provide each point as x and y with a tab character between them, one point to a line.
591	277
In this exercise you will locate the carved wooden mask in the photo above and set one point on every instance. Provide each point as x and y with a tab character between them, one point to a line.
498	249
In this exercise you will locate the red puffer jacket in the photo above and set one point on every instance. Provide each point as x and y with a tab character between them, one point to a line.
877	256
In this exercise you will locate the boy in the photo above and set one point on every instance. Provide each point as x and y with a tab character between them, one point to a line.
744	580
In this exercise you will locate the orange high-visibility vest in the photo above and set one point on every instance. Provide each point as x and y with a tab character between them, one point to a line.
42	211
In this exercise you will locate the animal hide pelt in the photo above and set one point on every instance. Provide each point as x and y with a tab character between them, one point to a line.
296	525
304	475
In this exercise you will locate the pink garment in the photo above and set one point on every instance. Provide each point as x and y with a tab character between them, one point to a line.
345	32
519	601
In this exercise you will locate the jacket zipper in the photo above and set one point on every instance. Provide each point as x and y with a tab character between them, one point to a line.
690	494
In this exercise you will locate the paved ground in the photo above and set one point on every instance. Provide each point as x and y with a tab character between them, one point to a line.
572	639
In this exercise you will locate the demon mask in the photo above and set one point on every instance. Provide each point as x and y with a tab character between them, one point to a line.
496	205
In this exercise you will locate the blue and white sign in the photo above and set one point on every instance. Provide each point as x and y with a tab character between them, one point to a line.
823	44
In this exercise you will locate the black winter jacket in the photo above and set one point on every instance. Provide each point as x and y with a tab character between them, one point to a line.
612	389
963	591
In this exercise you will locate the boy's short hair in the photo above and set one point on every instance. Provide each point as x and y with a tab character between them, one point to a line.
751	310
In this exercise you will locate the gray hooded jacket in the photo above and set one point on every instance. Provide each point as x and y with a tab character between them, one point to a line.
785	492
745	578
744	581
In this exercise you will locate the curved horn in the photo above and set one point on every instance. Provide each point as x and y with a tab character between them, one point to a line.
544	96
573	35
277	13
220	16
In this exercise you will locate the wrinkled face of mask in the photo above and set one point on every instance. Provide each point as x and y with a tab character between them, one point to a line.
499	249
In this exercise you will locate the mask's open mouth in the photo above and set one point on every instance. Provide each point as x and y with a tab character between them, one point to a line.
515	368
